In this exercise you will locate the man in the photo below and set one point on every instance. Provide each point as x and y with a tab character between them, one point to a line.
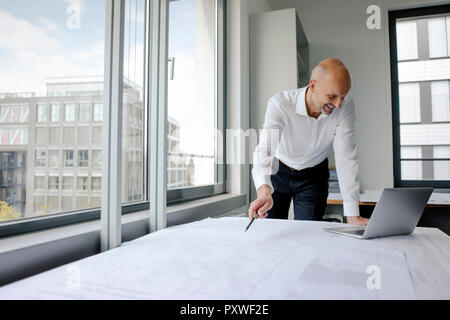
307	122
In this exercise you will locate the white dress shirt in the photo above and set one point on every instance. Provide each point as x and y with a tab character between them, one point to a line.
301	141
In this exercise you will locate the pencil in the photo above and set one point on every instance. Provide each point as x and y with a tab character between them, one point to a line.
254	218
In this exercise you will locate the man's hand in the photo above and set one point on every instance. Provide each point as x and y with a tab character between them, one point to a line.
357	221
262	204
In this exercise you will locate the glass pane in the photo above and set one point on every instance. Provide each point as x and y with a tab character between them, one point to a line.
41	113
134	150
407	40
67	183
98	112
447	23
411	152
440	101
441	169
409	102
51	64
55	110
191	93
69	112
437	37
85	112
411	170
53	158
424	98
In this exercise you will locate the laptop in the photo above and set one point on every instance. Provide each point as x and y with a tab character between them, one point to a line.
397	213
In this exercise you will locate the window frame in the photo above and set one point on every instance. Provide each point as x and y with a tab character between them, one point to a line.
393	17
179	195
53	220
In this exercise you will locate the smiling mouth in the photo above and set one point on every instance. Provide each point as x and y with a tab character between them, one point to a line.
330	108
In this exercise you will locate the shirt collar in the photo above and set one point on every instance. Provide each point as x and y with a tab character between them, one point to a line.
301	105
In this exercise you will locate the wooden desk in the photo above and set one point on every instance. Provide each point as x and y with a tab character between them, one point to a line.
335	201
370	198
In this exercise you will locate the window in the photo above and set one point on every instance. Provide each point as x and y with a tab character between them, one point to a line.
41	136
420	96
68	158
407	40
55	135
41	113
98	111
41	157
411	170
440	101
193	107
82	183
133	98
69	112
39	182
409	102
55	74
83	203
69	135
39	207
96	135
55	112
13	113
5	114
67	204
66	102
83	158
96	158
441	168
67	183
53	204
96	202
96	183
83	135
437	37
53	158
53	183
85	112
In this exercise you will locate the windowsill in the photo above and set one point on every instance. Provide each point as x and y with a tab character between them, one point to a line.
213	206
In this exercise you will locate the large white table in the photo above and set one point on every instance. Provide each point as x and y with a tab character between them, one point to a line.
274	259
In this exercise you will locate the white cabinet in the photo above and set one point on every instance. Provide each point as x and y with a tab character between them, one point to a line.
279	60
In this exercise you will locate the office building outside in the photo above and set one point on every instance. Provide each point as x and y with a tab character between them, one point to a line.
51	147
423	50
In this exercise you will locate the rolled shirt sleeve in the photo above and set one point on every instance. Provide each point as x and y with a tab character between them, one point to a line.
346	159
270	136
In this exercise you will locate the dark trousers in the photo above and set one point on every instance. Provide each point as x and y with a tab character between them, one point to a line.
308	188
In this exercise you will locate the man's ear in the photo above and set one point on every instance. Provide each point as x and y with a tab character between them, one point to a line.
312	85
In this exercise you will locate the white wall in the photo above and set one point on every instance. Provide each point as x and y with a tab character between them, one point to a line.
238	108
337	28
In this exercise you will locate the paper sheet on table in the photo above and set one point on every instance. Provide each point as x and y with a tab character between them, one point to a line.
439	198
310	272
215	259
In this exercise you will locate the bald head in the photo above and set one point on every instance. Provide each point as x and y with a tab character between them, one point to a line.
330	82
332	70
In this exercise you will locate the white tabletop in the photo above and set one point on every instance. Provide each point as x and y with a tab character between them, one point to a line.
274	259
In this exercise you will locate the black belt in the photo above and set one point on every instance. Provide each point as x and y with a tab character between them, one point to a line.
323	164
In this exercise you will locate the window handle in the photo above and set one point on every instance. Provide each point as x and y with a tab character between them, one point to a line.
172	67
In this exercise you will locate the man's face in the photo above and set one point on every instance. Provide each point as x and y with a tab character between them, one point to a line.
328	94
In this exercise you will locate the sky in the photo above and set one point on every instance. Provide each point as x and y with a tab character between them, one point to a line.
45	38
36	42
